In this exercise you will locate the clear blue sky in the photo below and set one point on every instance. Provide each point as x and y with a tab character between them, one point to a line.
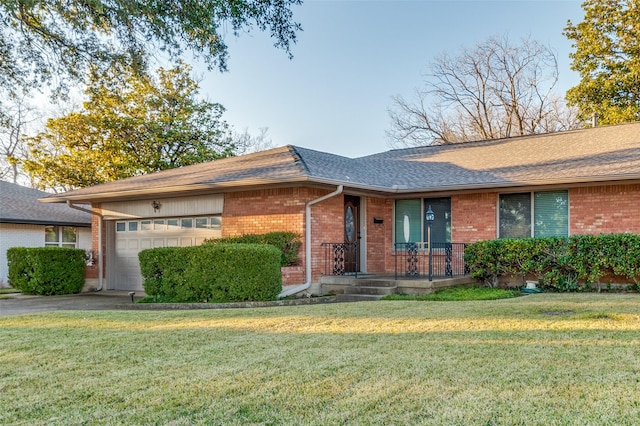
353	56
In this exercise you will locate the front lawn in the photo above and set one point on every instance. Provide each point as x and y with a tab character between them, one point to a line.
456	294
7	293
544	359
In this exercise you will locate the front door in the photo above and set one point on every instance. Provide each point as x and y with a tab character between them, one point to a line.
351	233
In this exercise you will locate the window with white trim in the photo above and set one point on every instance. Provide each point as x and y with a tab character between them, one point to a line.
410	225
174	224
60	236
534	214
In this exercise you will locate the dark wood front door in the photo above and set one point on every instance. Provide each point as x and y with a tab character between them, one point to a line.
352	232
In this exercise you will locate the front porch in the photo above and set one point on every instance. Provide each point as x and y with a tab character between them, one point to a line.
349	288
410	260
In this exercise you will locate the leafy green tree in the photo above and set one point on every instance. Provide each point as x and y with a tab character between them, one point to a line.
46	40
130	125
607	56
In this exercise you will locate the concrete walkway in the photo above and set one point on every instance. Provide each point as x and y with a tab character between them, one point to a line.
102	300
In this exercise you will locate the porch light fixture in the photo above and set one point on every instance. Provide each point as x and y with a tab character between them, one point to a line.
430	217
156	206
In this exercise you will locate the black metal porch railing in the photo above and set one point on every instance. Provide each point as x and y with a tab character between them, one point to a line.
341	258
412	260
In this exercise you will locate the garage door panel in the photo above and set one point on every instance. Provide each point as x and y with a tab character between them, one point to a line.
125	270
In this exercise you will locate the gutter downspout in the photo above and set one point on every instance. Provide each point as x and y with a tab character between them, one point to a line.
307	243
100	261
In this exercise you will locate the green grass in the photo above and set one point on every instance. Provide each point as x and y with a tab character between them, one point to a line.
6	293
454	294
544	359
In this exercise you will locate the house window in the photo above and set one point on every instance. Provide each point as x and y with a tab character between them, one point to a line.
187	223
408	221
201	223
551	214
121	226
441	228
538	214
133	226
145	225
216	222
60	236
410	225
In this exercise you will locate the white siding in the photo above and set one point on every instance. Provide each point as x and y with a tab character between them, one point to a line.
17	235
21	235
183	206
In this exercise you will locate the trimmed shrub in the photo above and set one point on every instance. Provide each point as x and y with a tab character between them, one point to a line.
46	270
212	273
564	264
163	271
287	242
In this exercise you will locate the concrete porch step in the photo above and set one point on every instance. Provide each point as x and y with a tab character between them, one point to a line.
371	290
351	289
347	297
378	282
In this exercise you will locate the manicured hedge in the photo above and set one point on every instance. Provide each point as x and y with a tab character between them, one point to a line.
287	242
566	264
46	270
212	273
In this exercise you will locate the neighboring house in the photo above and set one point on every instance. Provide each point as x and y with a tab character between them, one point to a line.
575	182
25	222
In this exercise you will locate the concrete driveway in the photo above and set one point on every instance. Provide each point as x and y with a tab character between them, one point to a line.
102	300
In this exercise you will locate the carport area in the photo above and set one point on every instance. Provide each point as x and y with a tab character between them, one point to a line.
102	300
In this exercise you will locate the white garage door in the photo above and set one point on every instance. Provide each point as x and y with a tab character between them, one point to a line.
133	236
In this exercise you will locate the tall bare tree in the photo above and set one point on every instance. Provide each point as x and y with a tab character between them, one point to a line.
493	90
16	117
246	143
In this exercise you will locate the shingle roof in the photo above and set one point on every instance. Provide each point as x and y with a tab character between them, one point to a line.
19	204
587	155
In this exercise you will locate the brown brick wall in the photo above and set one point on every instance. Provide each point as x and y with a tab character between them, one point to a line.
92	271
604	209
473	217
259	212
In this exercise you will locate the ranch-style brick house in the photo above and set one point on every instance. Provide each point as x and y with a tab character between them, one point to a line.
575	182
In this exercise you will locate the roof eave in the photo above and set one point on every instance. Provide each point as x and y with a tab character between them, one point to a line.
180	190
586	180
45	222
183	190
